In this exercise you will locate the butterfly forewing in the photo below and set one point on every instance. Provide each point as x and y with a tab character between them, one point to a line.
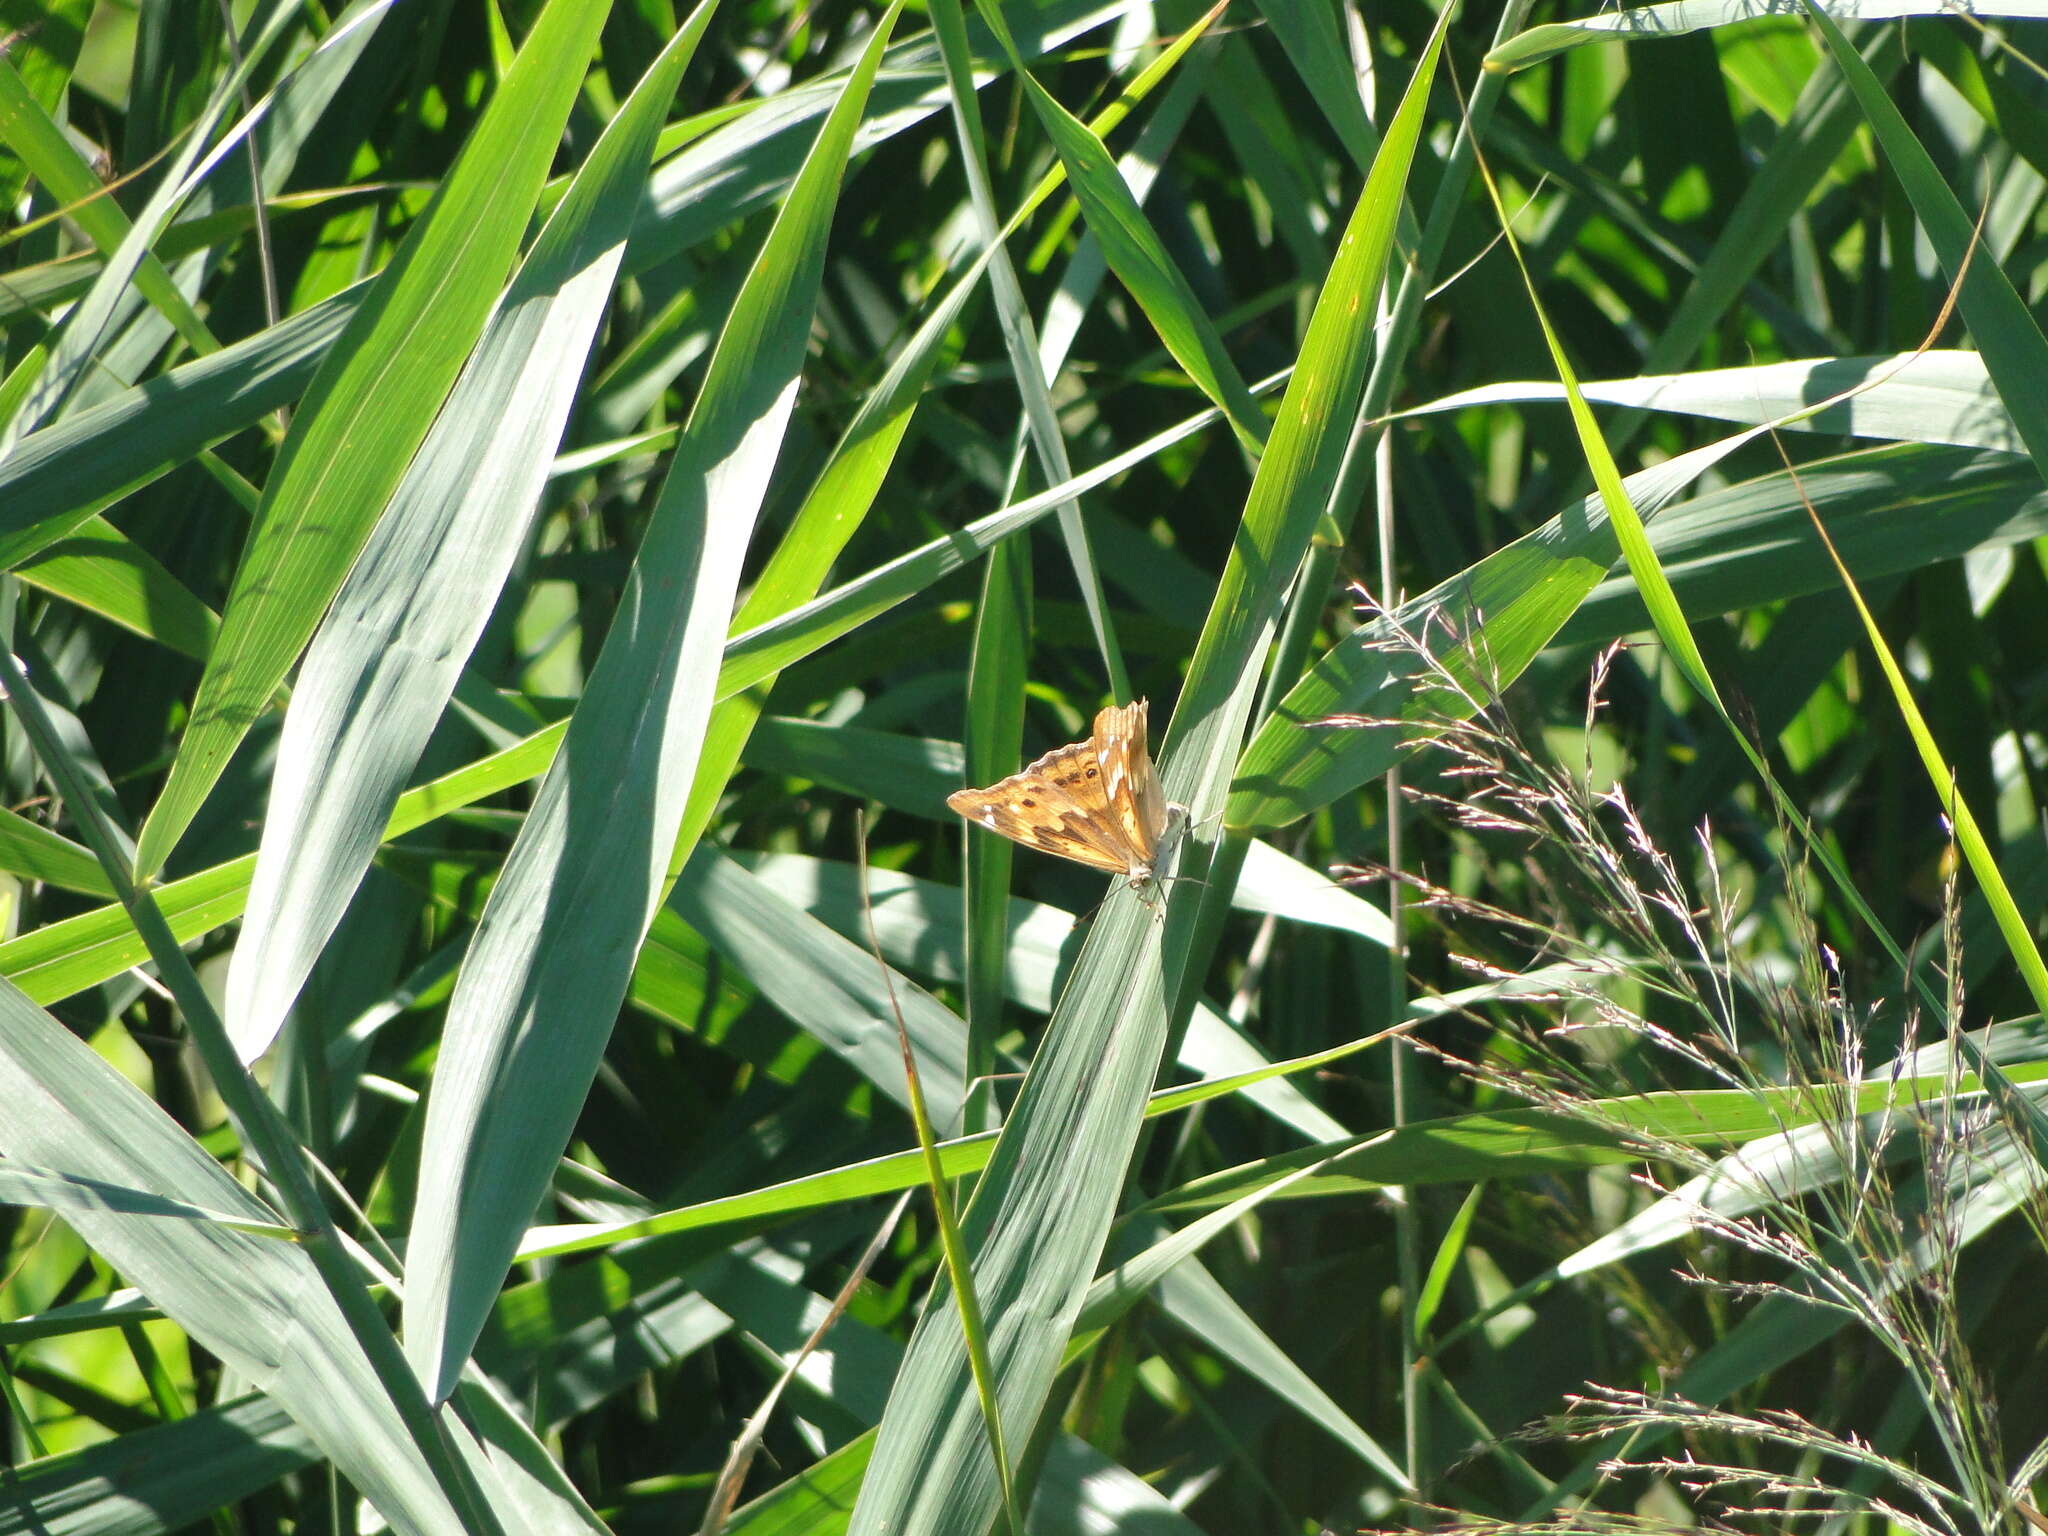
1128	784
1095	802
1056	806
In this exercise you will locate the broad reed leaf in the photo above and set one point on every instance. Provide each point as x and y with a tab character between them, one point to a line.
178	1472
539	991
39	141
1650	22
385	661
827	985
370	406
1522	1142
1922	397
23	1184
919	926
1141	262
2014	350
1041	1209
56	479
1489	623
102	570
1890	511
1799	1159
256	1303
32	850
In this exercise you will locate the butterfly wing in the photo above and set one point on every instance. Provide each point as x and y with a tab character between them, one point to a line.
1128	784
1057	806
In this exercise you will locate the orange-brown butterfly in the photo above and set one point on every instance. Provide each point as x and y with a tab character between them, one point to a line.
1095	802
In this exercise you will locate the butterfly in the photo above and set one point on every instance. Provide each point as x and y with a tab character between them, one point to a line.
1095	802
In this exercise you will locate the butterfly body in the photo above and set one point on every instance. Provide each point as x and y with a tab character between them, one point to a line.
1095	802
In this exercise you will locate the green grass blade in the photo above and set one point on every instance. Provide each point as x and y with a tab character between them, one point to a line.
1041	1210
258	1305
1623	518
33	851
1139	259
179	1472
87	334
1316	49
1078	1489
40	143
1187	1294
998	669
54	480
380	671
1490	622
1457	1149
826	984
553	952
1296	473
1520	1143
24	1184
1800	1159
769	647
1649	22
1028	368
1926	397
1890	511
371	405
746	165
922	930
2013	927
103	571
2015	352
1196	1302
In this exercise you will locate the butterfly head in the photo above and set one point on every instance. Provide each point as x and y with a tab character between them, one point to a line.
1150	877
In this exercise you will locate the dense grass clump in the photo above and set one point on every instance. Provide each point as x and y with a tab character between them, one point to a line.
514	519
